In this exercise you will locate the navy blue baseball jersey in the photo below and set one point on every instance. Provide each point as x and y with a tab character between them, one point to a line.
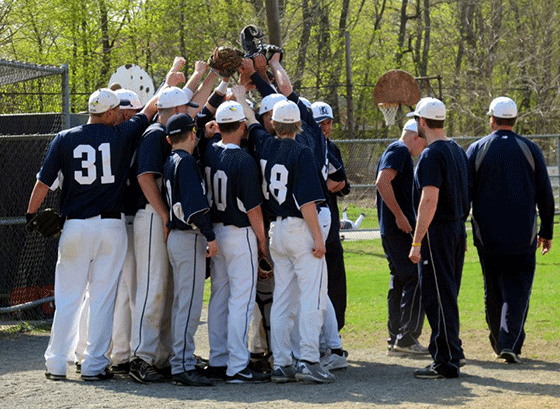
232	177
93	160
184	189
151	153
508	177
443	164
397	157
290	175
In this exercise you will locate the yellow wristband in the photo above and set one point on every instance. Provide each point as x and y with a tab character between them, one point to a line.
416	244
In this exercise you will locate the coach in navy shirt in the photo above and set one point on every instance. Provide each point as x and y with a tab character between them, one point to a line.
439	237
509	181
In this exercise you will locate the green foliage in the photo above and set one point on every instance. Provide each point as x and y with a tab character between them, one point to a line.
368	280
480	49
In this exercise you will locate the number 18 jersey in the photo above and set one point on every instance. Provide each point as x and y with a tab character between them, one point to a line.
290	177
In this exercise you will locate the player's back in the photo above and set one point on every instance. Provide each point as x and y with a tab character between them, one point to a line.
94	161
232	179
445	163
290	175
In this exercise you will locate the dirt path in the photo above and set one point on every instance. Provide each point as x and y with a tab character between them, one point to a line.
372	380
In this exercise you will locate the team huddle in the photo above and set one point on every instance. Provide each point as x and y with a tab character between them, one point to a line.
151	209
200	183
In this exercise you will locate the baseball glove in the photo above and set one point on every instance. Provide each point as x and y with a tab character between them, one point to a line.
48	223
268	51
225	60
266	270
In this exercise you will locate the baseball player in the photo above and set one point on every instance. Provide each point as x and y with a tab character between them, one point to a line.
395	210
191	238
124	304
311	135
509	182
232	177
439	238
151	332
322	113
292	188
93	160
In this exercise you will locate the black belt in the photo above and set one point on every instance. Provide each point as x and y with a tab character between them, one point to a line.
103	215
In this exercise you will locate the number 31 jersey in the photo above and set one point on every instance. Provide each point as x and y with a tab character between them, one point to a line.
92	163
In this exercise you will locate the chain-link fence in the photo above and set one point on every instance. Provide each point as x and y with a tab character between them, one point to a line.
34	100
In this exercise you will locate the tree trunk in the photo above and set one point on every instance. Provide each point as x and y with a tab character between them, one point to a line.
273	22
303	44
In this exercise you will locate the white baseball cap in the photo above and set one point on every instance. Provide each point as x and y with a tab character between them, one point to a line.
128	99
306	102
321	111
269	101
102	100
430	108
286	112
229	111
174	97
503	107
411	125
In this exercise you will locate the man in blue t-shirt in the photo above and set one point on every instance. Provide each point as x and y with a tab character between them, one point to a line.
395	210
509	181
439	238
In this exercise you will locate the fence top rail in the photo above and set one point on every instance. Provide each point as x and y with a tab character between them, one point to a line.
457	138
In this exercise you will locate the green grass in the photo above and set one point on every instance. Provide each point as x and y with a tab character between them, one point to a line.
368	280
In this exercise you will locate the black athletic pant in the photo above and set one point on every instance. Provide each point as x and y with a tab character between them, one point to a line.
443	255
508	279
405	312
336	278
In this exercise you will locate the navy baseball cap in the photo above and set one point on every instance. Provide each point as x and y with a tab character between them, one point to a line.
179	123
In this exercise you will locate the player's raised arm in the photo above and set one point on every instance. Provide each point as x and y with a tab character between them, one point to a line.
239	93
173	77
282	78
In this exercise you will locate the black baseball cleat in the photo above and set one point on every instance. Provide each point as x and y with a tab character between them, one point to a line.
54	377
143	372
191	378
103	376
215	373
247	375
122	368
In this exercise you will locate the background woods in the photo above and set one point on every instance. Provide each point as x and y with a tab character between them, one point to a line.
480	48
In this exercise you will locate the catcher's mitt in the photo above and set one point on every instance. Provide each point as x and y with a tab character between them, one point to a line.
48	223
225	60
266	270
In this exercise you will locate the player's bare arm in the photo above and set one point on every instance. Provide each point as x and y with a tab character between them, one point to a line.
202	93
147	182
282	78
426	210
309	212
239	93
256	219
200	68
261	65
40	191
172	78
385	188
